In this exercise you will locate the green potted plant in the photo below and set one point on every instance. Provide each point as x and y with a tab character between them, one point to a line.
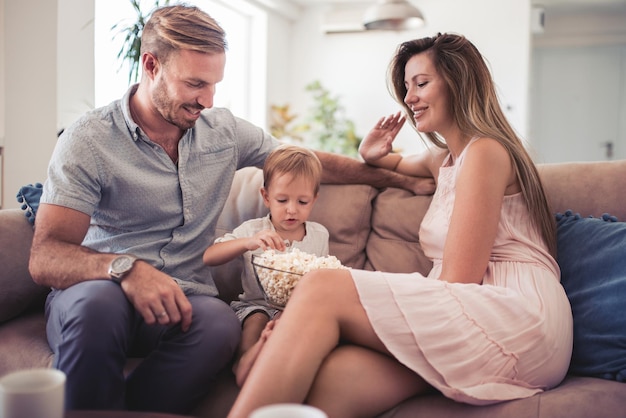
325	128
131	47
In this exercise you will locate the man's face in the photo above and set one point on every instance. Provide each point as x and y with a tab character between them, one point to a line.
185	85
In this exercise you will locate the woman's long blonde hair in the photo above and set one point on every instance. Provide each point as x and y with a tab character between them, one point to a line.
476	110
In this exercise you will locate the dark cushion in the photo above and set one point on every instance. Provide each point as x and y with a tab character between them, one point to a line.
592	257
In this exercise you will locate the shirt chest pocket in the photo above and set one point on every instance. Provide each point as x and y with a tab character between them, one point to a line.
206	177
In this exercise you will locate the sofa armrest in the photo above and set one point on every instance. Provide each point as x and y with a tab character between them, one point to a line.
18	292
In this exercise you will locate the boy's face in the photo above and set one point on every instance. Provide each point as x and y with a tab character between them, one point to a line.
290	201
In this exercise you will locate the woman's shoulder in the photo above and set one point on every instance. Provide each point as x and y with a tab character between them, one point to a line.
488	149
488	157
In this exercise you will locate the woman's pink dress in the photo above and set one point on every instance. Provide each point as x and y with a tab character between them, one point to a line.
509	338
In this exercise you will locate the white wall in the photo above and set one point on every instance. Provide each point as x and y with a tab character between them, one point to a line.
75	54
30	95
354	65
2	91
279	50
578	86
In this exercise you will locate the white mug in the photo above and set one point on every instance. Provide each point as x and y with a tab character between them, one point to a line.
288	410
33	393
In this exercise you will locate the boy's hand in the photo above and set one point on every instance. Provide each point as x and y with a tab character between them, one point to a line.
266	239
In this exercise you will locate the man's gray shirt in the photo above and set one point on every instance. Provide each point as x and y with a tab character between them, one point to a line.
139	201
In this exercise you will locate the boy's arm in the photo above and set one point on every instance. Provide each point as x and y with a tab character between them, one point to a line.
222	252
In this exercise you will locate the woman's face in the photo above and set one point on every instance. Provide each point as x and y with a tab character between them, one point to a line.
427	95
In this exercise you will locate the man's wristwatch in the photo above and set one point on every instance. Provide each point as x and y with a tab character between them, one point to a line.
120	266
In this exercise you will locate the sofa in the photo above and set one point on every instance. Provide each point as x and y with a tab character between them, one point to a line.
378	230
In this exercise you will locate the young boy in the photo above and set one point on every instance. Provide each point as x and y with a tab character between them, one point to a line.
291	181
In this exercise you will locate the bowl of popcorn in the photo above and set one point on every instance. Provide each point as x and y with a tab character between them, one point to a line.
278	273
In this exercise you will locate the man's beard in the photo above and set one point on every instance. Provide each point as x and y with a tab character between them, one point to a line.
167	110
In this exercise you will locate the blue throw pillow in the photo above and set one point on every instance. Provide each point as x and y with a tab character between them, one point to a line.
29	196
592	257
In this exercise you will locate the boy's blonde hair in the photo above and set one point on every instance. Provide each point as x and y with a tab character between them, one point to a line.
298	161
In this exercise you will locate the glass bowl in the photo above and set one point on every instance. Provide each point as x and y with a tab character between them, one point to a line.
276	285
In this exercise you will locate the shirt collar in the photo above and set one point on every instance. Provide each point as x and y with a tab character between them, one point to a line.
133	128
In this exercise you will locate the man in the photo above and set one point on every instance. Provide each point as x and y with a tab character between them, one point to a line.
133	194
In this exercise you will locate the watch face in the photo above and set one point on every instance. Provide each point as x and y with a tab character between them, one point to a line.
122	264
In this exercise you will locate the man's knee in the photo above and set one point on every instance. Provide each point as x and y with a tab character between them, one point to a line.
94	296
88	310
217	325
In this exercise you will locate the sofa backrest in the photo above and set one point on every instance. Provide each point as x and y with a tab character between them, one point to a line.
371	229
588	188
378	230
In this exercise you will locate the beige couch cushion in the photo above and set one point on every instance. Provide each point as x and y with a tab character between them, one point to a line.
18	292
23	343
393	245
346	210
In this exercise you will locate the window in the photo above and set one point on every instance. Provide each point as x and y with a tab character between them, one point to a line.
245	31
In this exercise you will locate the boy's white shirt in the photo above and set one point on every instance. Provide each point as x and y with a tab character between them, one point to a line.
315	242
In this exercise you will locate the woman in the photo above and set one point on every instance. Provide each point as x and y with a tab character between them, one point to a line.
491	321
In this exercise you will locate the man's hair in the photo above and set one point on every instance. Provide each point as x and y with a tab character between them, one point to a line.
298	161
181	27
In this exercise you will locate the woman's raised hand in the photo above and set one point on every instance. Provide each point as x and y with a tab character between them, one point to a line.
379	140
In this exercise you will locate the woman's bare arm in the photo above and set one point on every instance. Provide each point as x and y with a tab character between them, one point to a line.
482	180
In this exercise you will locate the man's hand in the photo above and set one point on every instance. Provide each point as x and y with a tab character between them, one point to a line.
156	296
422	185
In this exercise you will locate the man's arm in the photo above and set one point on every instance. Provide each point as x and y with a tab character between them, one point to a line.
339	169
57	259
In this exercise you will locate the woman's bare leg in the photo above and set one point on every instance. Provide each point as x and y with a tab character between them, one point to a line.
324	306
357	382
